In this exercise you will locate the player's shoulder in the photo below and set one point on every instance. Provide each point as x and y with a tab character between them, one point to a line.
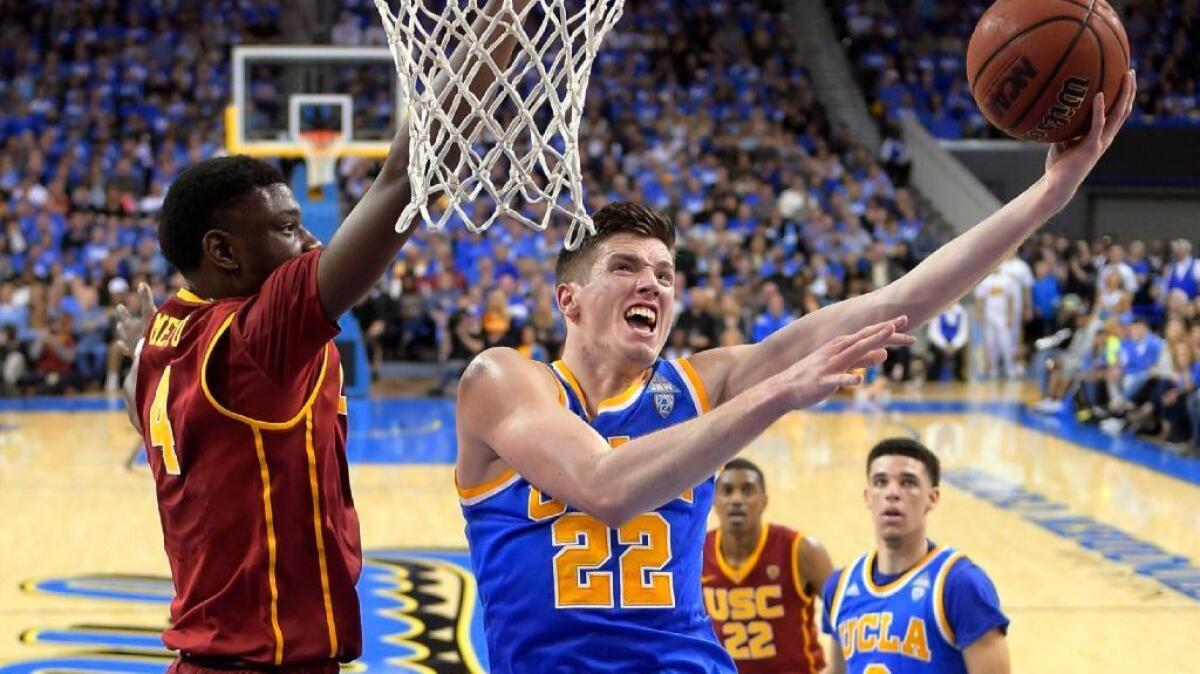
964	572
504	371
500	360
782	534
184	318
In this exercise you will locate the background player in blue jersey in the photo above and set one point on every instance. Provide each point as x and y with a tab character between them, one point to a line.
585	486
911	605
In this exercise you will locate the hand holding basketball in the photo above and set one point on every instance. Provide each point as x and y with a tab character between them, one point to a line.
1069	162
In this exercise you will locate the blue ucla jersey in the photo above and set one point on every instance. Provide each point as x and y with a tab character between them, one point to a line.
908	625
562	592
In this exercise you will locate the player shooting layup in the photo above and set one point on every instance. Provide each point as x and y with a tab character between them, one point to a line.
586	487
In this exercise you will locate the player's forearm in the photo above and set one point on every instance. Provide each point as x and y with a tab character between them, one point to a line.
656	468
129	389
958	266
920	295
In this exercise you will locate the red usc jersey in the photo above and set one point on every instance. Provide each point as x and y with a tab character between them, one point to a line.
760	610
244	424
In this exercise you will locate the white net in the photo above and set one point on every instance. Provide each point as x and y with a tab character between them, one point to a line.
321	149
513	150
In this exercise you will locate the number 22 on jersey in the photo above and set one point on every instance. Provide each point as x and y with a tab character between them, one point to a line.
585	547
161	435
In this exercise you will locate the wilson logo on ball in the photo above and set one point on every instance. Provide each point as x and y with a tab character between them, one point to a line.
1010	87
1070	98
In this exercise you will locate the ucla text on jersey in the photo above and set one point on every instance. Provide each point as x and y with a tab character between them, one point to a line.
899	624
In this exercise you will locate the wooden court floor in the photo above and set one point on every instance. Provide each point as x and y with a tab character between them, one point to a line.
1093	544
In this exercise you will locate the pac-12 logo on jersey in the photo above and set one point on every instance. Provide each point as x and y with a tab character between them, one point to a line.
920	586
664	395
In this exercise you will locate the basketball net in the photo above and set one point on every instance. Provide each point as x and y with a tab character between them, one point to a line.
321	149
517	145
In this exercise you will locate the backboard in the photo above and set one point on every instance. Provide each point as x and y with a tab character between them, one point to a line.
279	92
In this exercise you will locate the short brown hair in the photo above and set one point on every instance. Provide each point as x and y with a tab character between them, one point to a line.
910	448
622	217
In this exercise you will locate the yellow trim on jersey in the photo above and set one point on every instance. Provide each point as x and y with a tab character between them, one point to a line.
481	489
269	515
618	400
806	621
624	396
697	383
739	574
835	603
562	392
904	578
185	295
939	603
263	425
561	367
807	634
316	502
796	577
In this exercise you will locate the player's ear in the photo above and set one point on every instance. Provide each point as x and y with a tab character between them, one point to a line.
935	495
218	247
568	302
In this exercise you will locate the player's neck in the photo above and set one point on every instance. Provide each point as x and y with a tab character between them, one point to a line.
737	546
599	375
895	557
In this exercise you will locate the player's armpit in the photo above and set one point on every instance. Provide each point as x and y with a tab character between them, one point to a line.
988	654
508	407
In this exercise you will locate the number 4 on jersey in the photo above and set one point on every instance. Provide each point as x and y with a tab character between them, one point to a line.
161	435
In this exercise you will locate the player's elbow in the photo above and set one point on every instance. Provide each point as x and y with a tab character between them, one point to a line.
605	500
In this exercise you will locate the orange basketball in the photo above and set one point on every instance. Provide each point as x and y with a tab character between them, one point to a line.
1034	66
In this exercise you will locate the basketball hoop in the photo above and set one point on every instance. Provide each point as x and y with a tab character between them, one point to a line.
321	150
518	141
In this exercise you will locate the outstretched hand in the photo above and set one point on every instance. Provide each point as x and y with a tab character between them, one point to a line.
1068	163
829	368
130	326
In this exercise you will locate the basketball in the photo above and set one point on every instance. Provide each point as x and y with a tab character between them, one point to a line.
1034	66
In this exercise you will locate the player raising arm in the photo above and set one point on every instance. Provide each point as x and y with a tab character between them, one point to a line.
586	486
236	390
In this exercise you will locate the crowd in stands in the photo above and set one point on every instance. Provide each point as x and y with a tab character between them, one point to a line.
699	109
102	103
910	57
1115	334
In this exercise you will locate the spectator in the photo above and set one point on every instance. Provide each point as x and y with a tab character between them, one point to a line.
948	335
1183	272
774	317
1045	297
996	315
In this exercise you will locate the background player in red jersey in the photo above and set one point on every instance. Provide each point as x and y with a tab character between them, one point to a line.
760	580
236	389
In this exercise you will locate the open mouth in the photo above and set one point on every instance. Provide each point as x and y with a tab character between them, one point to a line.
642	319
893	514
